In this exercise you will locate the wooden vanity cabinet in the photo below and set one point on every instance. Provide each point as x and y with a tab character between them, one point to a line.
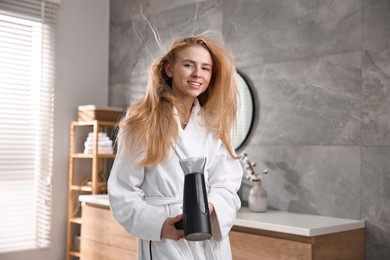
102	238
254	244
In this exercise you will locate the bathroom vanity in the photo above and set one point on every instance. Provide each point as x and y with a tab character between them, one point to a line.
283	235
271	235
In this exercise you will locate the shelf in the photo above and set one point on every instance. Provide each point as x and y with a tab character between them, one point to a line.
75	220
91	155
74	253
101	185
91	123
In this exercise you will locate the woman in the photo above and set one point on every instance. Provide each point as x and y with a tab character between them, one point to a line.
190	108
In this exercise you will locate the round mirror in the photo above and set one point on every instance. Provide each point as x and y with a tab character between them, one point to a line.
246	112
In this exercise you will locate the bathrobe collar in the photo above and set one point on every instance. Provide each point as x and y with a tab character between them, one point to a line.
194	113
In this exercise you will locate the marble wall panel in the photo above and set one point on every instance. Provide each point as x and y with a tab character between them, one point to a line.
376	33
376	194
126	52
272	31
376	97
309	102
377	252
320	180
128	65
120	9
376	73
169	25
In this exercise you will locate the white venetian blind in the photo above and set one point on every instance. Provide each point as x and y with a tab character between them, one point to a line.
27	39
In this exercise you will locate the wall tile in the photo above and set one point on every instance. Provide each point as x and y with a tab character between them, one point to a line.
127	54
167	26
376	194
376	73
302	179
376	252
272	31
376	97
309	102
121	9
376	33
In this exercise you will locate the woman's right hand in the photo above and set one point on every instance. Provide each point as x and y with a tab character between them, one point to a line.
169	230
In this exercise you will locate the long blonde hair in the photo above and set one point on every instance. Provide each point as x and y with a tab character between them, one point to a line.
150	125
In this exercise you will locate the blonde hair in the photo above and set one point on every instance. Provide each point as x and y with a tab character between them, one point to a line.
150	126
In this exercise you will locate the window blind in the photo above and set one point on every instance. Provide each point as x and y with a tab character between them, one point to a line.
27	75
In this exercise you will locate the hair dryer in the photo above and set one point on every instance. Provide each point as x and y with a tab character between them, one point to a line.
196	217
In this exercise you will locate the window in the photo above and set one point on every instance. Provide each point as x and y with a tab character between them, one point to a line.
27	37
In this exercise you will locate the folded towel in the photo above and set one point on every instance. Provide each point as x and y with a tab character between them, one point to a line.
104	143
100	143
100	150
100	134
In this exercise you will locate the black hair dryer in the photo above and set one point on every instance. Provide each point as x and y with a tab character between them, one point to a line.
196	216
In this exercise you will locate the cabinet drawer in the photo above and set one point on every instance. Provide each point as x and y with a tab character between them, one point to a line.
92	250
268	245
98	225
251	246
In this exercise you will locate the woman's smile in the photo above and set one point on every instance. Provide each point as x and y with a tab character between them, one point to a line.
195	84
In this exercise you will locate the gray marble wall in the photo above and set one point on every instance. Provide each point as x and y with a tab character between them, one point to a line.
321	70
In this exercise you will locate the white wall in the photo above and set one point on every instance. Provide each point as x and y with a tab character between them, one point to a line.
82	78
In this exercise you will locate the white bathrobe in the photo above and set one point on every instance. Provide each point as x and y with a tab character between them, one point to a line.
142	198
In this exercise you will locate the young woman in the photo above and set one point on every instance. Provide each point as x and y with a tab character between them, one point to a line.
190	108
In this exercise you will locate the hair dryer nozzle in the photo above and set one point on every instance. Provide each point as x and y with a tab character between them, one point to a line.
192	165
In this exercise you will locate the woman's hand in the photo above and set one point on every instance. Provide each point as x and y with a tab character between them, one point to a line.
169	230
211	209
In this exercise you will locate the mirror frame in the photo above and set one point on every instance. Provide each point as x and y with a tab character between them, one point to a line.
252	93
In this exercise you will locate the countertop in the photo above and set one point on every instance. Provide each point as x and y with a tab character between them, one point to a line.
271	220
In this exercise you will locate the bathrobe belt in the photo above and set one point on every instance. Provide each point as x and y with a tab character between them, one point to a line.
163	201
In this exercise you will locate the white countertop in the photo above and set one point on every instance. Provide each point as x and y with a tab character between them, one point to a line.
294	223
278	221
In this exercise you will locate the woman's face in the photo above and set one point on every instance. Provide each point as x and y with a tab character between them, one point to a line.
191	73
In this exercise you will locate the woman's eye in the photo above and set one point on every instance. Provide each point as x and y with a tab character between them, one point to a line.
206	69
188	65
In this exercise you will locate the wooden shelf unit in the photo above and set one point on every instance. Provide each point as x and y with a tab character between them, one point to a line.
94	185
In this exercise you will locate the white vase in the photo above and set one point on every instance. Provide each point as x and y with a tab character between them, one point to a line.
257	199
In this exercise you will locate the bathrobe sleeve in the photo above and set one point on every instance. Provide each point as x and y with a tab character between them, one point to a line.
126	200
225	176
